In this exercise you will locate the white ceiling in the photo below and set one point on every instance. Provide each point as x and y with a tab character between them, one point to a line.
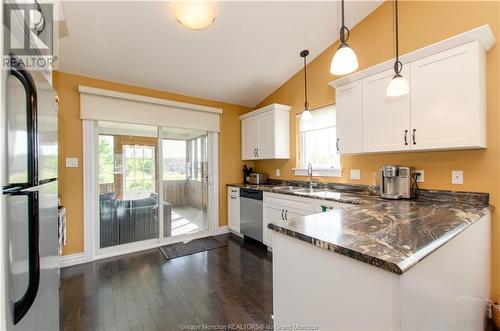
250	50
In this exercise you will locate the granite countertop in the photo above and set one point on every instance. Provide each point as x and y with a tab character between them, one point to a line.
345	196
391	234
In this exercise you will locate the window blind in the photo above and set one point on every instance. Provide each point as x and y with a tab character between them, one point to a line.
321	119
106	105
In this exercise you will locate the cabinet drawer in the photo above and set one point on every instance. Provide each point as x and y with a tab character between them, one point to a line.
289	201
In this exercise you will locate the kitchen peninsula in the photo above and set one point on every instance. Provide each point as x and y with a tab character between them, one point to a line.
386	265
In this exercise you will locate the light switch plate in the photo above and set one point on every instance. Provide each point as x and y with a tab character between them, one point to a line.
71	162
457	177
420	178
278	172
355	174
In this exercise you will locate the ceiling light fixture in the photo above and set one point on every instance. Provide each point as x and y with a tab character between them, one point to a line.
196	15
344	61
306	114
398	85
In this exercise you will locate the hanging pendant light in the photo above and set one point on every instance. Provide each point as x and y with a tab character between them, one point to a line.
398	85
306	114
344	61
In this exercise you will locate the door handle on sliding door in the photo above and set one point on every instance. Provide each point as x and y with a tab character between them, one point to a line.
22	306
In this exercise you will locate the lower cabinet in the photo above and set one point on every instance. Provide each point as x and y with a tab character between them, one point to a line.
233	209
279	207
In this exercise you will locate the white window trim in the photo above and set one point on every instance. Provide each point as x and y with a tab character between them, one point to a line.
320	172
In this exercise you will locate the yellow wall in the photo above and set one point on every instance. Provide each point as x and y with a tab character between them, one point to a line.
70	145
421	23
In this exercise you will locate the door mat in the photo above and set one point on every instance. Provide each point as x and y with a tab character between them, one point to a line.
194	246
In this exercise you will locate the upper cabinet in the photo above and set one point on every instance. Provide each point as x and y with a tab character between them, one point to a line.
386	120
349	118
448	97
265	133
445	109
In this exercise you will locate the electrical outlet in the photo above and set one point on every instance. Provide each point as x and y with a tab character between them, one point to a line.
457	177
278	172
420	176
71	162
355	174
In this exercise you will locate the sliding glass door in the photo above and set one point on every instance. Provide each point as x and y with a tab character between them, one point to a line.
185	181
128	194
152	184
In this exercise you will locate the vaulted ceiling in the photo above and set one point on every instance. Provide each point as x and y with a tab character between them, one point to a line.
248	52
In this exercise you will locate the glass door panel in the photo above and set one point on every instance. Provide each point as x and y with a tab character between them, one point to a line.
128	192
185	181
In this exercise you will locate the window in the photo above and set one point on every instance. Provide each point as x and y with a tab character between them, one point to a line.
174	159
139	170
106	160
317	142
197	158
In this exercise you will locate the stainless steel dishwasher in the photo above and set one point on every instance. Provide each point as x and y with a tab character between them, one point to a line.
251	213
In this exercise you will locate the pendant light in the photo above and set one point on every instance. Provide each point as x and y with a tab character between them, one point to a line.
306	114
344	61
195	14
398	85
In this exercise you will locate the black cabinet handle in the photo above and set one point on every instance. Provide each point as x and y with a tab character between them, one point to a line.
286	215
282	218
414	141
338	145
406	140
257	152
22	306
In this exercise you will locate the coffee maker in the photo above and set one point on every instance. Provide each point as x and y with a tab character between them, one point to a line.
396	182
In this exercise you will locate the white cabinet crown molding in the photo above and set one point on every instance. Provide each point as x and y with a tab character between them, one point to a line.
273	106
483	34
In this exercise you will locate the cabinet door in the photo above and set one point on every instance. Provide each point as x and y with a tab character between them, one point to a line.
349	118
294	213
233	212
447	102
265	147
386	120
249	138
272	213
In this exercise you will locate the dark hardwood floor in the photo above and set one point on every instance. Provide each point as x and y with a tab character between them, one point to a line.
144	291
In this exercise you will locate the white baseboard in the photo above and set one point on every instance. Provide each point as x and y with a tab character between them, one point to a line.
72	259
221	230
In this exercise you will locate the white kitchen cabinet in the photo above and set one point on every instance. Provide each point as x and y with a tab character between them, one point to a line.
279	207
386	120
448	99
349	118
249	138
265	133
444	110
233	208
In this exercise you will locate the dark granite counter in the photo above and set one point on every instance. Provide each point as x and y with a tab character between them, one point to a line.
390	234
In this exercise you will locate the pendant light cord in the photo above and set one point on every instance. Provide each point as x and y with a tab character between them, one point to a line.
306	104
398	66
344	31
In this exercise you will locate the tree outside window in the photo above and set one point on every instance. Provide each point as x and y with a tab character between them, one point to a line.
106	159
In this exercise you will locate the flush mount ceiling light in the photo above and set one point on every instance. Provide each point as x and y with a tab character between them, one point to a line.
398	85
306	114
344	61
196	15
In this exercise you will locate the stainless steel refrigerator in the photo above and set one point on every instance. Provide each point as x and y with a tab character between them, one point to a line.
30	197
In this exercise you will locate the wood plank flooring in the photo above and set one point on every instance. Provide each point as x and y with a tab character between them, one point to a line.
144	291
